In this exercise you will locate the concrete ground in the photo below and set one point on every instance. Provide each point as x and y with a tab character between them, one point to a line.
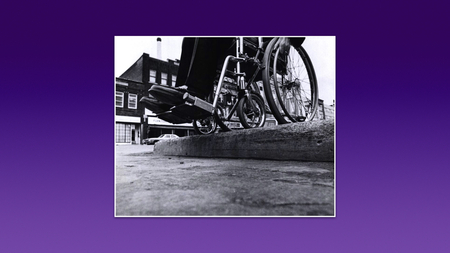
149	184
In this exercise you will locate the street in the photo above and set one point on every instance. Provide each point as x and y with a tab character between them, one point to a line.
148	184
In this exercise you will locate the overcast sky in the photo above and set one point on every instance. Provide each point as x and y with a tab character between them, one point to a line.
321	50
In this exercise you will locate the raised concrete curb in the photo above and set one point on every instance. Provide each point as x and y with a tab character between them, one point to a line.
305	141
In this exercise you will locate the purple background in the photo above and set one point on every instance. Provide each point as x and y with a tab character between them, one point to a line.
57	128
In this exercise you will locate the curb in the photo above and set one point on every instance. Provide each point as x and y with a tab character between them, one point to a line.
303	141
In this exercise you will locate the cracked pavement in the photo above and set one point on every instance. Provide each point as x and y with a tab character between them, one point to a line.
150	185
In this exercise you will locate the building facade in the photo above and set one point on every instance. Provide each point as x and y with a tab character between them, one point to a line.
134	122
324	111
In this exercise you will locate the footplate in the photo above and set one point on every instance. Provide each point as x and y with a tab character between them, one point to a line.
199	103
194	108
173	118
190	111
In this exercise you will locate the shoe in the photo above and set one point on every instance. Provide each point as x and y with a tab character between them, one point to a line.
154	105
171	95
167	95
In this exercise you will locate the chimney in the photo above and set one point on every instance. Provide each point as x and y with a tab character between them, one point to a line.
158	48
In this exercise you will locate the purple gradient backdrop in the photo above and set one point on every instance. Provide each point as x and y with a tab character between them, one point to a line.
57	162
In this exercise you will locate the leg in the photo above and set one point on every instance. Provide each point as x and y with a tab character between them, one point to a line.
198	63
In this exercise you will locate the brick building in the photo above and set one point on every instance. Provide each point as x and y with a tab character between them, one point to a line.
324	111
133	121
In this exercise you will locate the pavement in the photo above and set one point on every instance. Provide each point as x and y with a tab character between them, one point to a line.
151	184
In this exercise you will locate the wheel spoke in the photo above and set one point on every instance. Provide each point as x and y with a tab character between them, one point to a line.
293	91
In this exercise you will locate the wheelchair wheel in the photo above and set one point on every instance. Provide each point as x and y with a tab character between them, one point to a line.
290	83
251	112
205	126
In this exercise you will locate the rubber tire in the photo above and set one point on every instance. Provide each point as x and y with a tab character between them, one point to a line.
277	113
198	131
242	116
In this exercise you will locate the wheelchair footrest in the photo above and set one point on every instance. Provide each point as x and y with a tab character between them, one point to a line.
170	117
192	108
191	111
198	103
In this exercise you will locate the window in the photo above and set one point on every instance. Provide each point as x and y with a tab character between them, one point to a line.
119	99
164	78
132	101
174	80
152	76
123	133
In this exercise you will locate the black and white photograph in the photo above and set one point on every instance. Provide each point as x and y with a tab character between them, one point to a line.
225	126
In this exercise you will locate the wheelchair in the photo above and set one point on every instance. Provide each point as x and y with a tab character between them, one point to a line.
262	76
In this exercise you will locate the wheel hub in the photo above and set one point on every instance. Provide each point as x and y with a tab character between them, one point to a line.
292	84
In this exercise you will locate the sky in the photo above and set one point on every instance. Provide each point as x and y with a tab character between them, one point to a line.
321	50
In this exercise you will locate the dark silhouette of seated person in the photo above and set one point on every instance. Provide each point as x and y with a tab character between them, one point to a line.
200	59
197	71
